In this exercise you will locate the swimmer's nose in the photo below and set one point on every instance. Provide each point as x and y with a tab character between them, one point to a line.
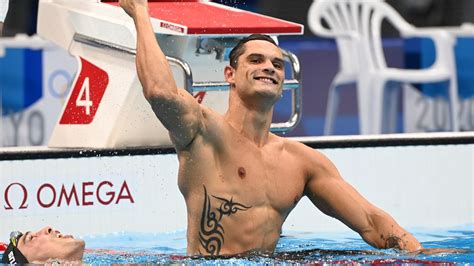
269	68
47	230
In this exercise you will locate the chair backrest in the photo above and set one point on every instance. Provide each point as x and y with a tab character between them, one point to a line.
356	26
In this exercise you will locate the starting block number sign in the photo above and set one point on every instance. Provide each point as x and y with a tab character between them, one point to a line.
87	92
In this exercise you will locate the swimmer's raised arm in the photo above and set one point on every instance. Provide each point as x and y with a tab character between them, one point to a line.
177	109
336	198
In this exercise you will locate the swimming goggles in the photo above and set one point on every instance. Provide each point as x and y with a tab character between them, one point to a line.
15	237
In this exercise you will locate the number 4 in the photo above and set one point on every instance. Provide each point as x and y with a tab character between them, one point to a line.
86	103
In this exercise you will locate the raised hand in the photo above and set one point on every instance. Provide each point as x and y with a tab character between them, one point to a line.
131	6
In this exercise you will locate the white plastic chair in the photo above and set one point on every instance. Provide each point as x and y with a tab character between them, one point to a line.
356	26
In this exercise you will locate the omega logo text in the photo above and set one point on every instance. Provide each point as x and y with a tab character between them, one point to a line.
47	195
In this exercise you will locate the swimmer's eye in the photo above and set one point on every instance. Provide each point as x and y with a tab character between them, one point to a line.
255	61
278	65
255	58
28	237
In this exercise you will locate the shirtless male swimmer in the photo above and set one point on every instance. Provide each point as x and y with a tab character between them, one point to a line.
238	192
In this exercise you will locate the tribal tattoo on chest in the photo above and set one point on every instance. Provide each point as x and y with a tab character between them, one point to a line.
211	234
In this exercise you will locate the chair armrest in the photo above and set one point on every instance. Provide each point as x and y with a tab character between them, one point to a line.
443	41
433	33
463	31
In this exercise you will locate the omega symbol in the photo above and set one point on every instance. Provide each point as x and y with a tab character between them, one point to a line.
23	204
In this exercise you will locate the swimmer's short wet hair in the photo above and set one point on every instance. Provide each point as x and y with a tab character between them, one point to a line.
239	49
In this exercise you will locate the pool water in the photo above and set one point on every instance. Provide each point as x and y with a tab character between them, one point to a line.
293	247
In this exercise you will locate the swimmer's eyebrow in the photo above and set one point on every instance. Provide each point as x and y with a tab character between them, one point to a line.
275	59
255	55
24	237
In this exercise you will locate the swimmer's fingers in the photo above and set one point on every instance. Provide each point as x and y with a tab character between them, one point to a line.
130	6
432	251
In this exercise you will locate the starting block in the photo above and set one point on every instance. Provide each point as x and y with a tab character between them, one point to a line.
106	107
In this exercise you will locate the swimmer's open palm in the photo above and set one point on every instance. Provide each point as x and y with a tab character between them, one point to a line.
131	6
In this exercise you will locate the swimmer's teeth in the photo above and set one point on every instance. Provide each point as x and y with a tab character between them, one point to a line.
266	80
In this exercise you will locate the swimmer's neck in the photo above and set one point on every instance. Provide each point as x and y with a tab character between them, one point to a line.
252	123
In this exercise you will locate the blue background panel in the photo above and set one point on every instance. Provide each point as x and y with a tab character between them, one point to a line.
21	79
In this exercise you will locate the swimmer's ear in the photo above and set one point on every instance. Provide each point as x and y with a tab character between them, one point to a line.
229	73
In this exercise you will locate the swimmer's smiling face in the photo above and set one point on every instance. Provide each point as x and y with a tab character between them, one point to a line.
47	243
260	70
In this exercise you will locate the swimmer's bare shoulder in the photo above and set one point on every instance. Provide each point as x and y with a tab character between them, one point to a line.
314	162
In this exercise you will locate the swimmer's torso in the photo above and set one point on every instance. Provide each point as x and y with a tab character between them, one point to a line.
238	195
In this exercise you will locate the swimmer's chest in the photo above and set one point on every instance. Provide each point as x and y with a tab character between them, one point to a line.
268	176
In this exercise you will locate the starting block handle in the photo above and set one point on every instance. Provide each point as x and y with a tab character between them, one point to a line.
293	84
296	87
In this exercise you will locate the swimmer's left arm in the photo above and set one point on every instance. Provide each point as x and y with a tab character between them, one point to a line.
335	197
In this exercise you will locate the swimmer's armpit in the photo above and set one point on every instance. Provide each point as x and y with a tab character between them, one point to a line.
211	235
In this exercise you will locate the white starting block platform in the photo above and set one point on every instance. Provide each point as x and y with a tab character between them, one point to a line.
105	107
